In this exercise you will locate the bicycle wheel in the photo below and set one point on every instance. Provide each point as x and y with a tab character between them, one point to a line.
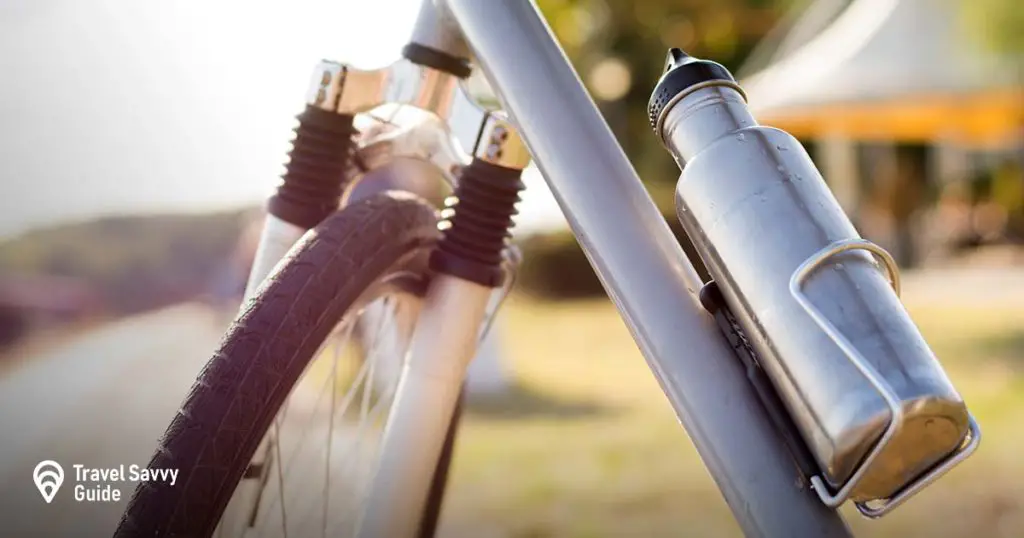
272	433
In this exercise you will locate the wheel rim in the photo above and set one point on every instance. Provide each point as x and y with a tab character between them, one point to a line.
310	474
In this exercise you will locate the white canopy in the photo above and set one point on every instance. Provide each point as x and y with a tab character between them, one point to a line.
891	69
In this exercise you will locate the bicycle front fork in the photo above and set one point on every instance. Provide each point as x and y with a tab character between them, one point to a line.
468	266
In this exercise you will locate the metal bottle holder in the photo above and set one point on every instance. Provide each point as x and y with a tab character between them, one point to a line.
879	507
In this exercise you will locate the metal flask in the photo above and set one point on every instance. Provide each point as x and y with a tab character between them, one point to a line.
819	304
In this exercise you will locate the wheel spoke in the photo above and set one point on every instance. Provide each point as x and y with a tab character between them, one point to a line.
352	454
330	438
303	434
280	477
383	340
353	271
350	462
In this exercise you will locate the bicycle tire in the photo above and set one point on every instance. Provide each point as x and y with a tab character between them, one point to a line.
235	398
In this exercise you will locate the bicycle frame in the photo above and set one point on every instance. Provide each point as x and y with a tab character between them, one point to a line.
639	262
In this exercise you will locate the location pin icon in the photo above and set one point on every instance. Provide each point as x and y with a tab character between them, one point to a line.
48	476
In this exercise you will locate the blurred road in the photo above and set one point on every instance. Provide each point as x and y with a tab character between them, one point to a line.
101	399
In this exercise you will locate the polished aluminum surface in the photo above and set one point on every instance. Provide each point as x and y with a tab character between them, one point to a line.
344	89
644	270
426	140
444	341
325	85
341	88
276	239
435	29
659	127
878	383
500	143
878	509
757	209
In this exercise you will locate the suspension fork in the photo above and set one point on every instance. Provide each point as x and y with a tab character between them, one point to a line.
468	266
311	190
468	263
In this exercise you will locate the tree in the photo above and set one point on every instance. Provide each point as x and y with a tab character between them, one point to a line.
997	24
636	34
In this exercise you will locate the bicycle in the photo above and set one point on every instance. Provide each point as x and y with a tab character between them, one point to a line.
423	286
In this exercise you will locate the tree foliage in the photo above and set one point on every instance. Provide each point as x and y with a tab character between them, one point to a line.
133	263
998	24
639	32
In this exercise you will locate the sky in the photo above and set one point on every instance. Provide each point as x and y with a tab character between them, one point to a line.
130	106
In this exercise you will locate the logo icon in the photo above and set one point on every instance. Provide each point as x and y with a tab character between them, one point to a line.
48	476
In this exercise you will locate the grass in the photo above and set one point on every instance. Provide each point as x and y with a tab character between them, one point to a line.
587	445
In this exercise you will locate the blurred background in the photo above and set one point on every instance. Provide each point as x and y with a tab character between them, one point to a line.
139	140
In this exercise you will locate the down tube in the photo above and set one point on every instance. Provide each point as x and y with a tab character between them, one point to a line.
643	268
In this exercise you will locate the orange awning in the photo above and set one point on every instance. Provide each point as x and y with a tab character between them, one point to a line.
990	119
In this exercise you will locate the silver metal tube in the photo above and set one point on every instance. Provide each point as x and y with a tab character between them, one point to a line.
870	399
442	346
643	268
276	240
713	112
431	29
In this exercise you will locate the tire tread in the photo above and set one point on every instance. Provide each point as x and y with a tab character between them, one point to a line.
240	389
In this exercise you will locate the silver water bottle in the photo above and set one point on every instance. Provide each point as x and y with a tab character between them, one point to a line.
817	303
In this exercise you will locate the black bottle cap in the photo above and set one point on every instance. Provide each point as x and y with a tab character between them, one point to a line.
682	71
